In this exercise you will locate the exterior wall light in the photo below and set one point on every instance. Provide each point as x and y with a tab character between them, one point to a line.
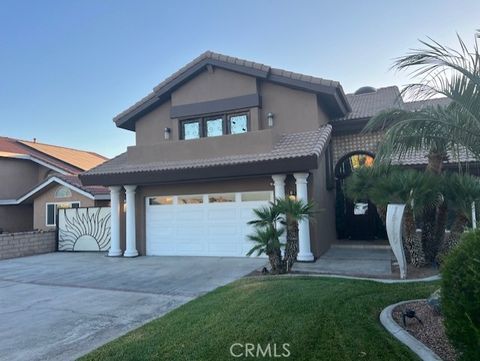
270	119
167	133
292	195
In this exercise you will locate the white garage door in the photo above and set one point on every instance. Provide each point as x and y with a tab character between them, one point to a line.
202	225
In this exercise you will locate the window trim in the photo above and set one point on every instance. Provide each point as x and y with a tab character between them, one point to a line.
55	211
229	116
213	117
226	129
192	120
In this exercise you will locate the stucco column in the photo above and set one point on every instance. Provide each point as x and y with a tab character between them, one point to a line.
115	250
304	253
131	250
279	189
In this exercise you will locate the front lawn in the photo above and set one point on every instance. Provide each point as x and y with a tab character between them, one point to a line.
320	319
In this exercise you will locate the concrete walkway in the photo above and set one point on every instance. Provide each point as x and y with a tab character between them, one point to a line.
60	306
351	260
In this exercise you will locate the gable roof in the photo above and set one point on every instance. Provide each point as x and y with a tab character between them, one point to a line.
290	147
330	91
70	181
60	159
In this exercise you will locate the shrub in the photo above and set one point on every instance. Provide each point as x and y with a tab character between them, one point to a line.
461	296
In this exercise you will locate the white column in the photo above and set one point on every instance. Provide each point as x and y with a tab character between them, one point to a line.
304	253
279	189
279	185
131	250
115	250
474	216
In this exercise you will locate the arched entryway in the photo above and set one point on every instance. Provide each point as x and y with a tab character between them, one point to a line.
359	220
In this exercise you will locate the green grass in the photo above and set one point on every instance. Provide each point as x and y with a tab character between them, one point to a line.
320	318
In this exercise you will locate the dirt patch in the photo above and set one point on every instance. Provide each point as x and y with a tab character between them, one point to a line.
431	332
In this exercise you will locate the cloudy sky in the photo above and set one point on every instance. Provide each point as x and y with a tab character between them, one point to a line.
67	67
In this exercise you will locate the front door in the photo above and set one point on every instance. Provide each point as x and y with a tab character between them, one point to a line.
361	217
355	220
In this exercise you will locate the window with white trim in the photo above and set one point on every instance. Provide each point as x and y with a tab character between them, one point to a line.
51	211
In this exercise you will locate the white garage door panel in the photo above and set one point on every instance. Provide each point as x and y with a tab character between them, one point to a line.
207	229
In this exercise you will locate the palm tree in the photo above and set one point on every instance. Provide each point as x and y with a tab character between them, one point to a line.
363	184
267	236
460	191
292	211
443	71
397	185
454	74
401	138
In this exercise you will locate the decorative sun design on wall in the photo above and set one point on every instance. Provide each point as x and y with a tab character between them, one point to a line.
84	229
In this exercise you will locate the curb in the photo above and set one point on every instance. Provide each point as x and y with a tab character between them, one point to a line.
403	336
379	280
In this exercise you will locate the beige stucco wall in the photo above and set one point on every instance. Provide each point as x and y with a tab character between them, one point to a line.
150	128
39	205
218	84
18	176
294	110
322	229
16	218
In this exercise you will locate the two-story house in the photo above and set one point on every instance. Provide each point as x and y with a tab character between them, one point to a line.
37	178
223	136
213	141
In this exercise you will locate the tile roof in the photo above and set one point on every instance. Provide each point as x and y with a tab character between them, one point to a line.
368	105
460	155
258	67
75	181
294	145
419	104
69	160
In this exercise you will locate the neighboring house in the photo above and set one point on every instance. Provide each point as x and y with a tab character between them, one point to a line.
222	136
37	178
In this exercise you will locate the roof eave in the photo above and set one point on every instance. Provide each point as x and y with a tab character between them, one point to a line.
218	172
338	107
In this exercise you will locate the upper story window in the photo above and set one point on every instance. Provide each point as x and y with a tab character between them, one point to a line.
214	126
192	129
238	123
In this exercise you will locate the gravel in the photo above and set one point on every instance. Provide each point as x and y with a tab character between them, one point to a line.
431	333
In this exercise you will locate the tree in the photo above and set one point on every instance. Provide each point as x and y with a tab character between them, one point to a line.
286	213
402	138
292	211
389	184
267	236
459	191
454	74
442	71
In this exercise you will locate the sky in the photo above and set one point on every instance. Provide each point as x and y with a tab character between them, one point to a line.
68	67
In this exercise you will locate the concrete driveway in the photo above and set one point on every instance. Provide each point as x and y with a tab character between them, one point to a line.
60	306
